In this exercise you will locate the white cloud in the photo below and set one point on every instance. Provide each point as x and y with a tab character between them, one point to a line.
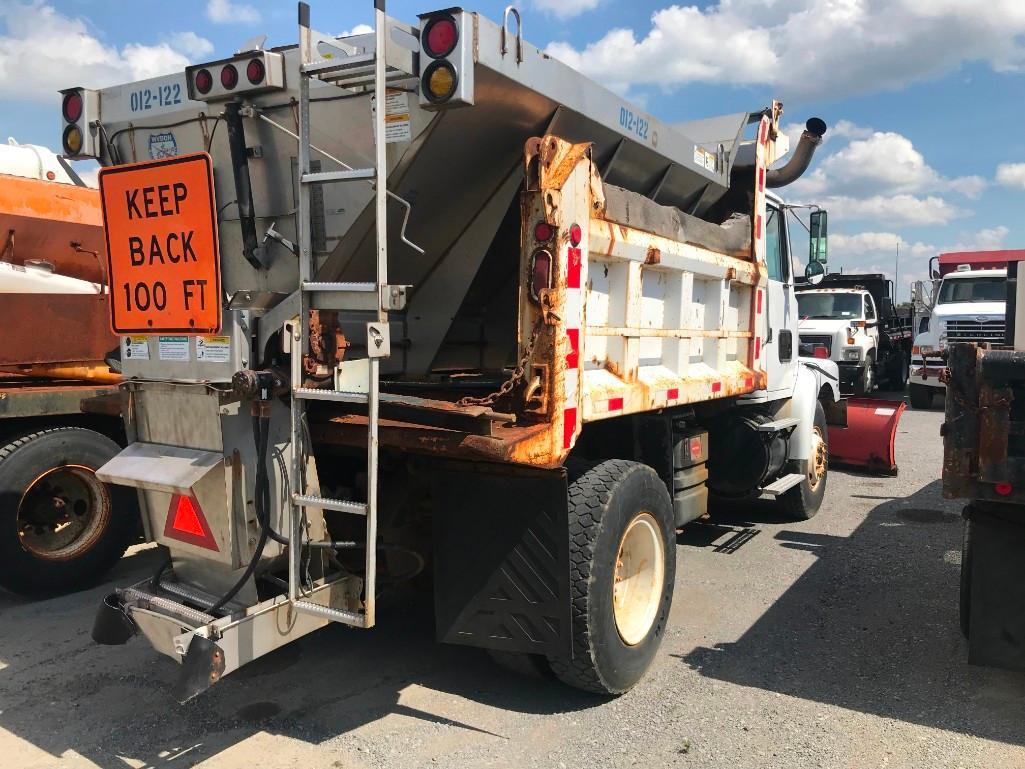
74	56
359	29
566	9
892	210
227	12
813	48
191	44
1011	175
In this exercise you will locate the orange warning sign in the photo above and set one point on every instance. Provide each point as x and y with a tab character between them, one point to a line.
186	523
160	220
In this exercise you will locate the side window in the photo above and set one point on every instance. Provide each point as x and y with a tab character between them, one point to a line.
775	248
870	312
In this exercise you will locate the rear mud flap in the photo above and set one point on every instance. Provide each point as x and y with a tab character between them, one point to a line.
113	626
501	542
202	667
867	443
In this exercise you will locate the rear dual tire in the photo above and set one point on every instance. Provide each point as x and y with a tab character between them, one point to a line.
921	396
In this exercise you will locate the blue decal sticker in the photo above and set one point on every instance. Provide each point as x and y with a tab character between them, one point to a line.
162	146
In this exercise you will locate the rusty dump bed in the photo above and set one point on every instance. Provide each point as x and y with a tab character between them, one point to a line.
647	307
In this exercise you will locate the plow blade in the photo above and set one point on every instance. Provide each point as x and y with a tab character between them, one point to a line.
867	441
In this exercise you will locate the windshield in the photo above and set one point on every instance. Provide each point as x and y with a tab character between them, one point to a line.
822	306
973	290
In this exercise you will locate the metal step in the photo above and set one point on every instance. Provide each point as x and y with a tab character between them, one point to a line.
356	297
340	64
354	71
357	619
337	396
326	503
352	175
781	486
779	425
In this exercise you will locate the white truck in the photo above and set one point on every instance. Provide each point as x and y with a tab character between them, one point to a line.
969	307
851	319
446	306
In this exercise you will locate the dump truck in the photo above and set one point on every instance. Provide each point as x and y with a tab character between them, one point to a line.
432	303
61	528
853	320
984	463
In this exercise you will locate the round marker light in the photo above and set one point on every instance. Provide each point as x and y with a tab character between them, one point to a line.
229	76
255	71
439	81
575	234
543	232
1003	489
72	106
204	81
440	36
72	140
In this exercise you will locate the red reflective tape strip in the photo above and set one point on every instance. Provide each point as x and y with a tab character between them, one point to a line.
749	382
573	357
758	227
759	308
573	271
673	394
569	426
615	404
758	346
761	179
716	387
763	132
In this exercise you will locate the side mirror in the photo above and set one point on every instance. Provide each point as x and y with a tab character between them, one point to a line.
814	273
818	250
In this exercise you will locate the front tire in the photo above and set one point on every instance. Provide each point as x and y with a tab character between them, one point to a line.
60	527
622	573
803	501
920	396
901	371
866	381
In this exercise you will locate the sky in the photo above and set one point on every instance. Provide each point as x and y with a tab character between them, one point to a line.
925	99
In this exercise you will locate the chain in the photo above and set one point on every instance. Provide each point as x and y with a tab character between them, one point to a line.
515	378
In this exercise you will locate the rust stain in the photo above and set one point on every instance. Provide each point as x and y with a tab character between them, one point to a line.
654	256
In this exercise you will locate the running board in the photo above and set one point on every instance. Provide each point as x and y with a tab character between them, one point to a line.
781	486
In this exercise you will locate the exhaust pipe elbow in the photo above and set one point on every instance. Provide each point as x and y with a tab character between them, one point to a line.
810	140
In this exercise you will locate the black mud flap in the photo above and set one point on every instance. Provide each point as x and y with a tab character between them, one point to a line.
202	667
501	544
113	626
996	635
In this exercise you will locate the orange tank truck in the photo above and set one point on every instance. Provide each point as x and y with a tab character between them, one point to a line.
60	527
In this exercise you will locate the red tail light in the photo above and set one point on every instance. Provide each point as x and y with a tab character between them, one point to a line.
72	107
575	234
229	76
440	36
543	232
204	81
255	71
1003	489
540	273
821	353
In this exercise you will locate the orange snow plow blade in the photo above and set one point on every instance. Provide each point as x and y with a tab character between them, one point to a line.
867	441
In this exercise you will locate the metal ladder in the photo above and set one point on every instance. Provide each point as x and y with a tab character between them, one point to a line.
359	70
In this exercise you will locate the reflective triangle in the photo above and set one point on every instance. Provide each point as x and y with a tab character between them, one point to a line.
186	523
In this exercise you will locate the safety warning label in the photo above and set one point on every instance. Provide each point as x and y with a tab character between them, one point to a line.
173	347
213	349
396	117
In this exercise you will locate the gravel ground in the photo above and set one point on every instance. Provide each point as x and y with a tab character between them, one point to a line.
831	643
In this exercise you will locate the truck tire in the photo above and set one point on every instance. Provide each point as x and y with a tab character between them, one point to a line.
622	572
965	603
866	381
804	500
920	396
60	527
899	372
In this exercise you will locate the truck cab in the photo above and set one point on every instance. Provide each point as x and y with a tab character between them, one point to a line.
970	307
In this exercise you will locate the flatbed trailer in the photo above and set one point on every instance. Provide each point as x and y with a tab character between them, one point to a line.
514	345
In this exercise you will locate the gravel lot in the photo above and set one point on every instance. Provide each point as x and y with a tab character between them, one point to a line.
830	643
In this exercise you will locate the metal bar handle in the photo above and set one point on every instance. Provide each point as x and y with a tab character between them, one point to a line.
519	32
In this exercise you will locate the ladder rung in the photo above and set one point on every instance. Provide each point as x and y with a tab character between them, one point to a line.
345	287
335	615
325	177
338	396
324	503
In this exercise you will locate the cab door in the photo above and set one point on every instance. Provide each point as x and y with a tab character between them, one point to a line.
781	339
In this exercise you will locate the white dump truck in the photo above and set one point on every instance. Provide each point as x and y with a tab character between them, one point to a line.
428	301
969	306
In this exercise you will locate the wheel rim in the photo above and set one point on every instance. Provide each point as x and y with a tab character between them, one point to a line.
62	513
868	377
638	579
819	459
